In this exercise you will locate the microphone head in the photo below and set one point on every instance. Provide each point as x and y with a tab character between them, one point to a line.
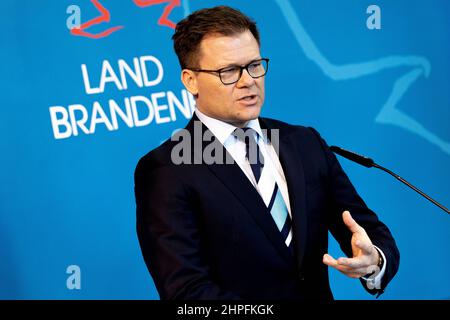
362	160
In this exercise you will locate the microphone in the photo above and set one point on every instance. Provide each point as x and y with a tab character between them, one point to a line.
369	163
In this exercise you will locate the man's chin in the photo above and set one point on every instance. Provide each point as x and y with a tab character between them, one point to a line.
250	113
243	121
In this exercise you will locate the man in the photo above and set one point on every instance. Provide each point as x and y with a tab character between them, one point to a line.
256	227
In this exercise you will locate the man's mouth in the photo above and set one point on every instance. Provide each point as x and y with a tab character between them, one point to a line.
248	98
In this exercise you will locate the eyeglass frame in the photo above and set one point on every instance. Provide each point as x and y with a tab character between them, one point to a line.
218	71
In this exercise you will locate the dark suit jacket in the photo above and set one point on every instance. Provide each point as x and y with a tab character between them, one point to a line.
205	232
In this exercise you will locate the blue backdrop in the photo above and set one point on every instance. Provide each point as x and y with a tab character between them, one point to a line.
78	109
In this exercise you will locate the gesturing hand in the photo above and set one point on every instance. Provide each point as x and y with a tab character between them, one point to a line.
364	253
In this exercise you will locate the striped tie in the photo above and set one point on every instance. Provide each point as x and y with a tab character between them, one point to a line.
267	185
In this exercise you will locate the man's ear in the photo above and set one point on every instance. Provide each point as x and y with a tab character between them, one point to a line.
189	79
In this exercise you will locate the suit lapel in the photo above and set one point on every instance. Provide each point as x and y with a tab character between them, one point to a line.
295	178
237	182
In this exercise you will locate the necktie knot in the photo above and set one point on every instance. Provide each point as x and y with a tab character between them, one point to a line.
252	152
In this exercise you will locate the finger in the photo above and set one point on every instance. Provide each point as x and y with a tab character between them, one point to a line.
350	222
353	263
343	268
365	246
353	273
350	264
329	260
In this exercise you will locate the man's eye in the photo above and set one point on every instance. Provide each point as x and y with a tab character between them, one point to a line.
229	70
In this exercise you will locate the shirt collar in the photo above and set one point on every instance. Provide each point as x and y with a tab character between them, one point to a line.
222	130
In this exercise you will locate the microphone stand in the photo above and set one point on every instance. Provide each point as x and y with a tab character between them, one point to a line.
368	162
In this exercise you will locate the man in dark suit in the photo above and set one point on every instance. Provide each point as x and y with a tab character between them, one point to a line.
255	227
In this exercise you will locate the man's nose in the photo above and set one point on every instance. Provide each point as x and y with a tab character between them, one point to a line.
246	79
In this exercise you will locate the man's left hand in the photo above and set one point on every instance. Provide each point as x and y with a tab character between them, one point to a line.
364	253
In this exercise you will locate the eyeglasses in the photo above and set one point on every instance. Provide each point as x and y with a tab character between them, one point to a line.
232	74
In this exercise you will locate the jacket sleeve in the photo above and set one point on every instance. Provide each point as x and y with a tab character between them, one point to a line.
343	196
169	236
